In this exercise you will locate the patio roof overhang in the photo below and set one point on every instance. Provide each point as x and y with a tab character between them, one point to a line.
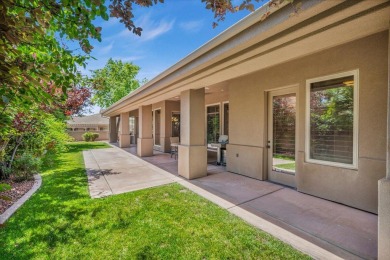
254	44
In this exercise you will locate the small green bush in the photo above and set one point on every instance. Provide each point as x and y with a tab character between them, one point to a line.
95	136
4	187
90	137
25	166
5	172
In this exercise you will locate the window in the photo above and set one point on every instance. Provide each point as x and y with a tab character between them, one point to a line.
226	118
175	124
332	116
213	124
157	124
132	125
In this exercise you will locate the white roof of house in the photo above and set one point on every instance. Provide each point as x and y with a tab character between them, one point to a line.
96	119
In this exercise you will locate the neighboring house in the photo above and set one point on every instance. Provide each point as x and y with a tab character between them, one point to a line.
303	99
77	126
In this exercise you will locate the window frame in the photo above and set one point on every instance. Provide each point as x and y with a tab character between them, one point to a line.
175	113
354	165
220	117
223	116
132	127
154	125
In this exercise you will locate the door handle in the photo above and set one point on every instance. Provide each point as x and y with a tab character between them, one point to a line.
268	146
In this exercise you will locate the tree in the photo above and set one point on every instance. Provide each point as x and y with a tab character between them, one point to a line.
34	36
114	81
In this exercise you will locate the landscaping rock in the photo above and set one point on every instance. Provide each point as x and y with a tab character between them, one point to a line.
17	191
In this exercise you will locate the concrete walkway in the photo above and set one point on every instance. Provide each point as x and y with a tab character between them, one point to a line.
323	229
112	171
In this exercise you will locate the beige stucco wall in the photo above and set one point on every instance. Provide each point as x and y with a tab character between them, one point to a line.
247	96
78	135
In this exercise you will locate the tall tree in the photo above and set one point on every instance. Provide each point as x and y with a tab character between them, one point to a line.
114	81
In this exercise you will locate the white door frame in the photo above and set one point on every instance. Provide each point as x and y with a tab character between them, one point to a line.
285	178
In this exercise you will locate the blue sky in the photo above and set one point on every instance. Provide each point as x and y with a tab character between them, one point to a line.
171	31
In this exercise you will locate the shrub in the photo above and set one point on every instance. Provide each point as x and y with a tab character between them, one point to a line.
5	187
90	137
95	136
25	167
5	172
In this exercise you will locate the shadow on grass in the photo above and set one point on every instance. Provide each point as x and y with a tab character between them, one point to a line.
49	214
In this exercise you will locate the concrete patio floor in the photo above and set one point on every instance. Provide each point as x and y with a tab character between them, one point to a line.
346	232
113	172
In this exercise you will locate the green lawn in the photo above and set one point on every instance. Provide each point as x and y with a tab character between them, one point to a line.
286	166
61	221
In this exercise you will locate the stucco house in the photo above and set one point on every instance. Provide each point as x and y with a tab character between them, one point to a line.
77	126
303	99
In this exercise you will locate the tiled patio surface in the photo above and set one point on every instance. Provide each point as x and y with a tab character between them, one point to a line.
347	232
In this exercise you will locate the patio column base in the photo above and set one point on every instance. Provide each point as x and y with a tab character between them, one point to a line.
145	147
384	219
192	161
124	141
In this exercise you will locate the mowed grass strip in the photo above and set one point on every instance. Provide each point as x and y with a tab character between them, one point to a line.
61	221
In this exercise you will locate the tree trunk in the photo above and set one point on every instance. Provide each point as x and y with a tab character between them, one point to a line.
18	143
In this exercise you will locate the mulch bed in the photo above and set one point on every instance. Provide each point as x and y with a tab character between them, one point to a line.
17	191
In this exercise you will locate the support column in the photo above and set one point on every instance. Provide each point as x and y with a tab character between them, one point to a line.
384	187
192	149
113	130
124	137
145	140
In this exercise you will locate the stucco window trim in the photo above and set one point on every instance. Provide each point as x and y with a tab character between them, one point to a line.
354	165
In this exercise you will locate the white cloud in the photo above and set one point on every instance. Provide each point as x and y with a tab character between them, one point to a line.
150	29
128	58
192	26
106	49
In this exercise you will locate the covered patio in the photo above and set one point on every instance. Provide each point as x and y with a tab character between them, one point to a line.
328	69
346	232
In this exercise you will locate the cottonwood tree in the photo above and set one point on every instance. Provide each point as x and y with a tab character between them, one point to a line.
114	81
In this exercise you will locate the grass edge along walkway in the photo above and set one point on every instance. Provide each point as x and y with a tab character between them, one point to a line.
61	221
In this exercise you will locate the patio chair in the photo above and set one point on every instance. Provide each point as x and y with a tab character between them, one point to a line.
174	146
